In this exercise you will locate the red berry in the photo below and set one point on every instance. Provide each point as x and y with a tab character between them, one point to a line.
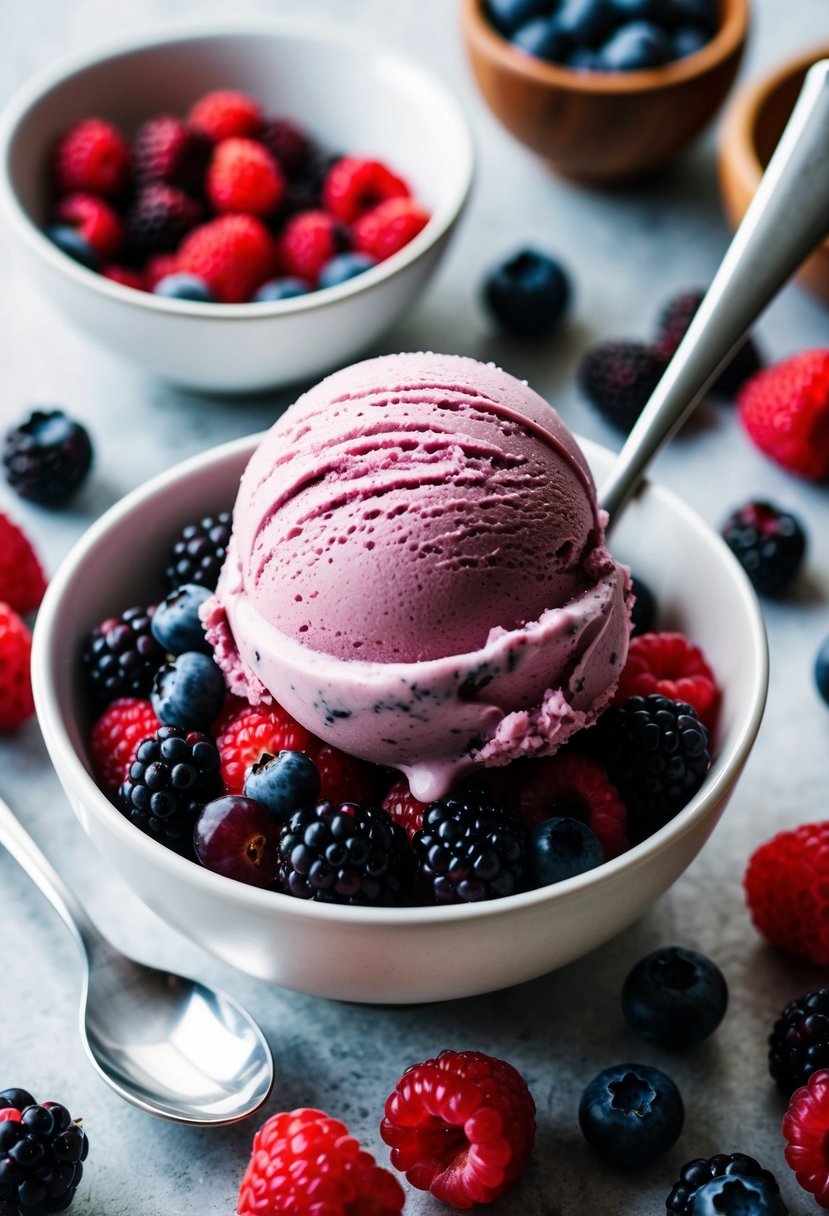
92	157
288	145
404	808
806	1129
125	275
165	149
787	891
308	241
254	732
668	664
158	267
159	218
236	837
572	785
115	737
22	581
785	410
16	703
354	186
10	1115
225	113
233	254
95	220
389	227
343	778
304	1163
461	1126
244	177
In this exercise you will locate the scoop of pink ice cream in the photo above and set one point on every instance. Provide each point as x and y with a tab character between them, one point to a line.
418	571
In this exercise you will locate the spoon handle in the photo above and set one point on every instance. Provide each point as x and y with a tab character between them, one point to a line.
787	218
23	849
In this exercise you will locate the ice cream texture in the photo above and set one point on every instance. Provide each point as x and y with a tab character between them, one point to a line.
418	572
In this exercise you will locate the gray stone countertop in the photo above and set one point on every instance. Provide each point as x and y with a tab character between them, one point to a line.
627	253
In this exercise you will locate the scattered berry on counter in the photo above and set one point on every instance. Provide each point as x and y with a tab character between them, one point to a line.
799	1041
121	657
243	177
759	1186
284	783
618	378
174	774
225	113
236	837
471	847
806	1129
390	226
294	1151
16	702
673	322
309	240
198	553
404	808
165	149
233	254
343	267
674	998
670	665
95	221
461	1126
345	854
354	186
528	294
562	847
631	1114
42	1149
159	219
176	624
786	891
769	544
115	737
572	785
643	614
189	691
47	457
735	1194
785	411
822	670
265	730
92	157
22	581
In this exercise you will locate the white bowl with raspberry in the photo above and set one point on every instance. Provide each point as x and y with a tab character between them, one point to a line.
397	954
374	105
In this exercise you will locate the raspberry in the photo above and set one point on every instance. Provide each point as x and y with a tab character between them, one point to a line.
121	657
389	226
306	1163
199	552
806	1130
244	177
92	157
159	218
256	732
288	144
22	581
785	410
343	778
175	773
95	220
308	241
125	275
233	254
165	149
41	1151
668	664
799	1042
673	323
404	808
354	186
695	1174
787	894
16	703
224	114
47	457
618	378
159	267
115	737
461	1126
769	544
571	785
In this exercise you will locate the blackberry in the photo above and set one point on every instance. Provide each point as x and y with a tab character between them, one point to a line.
174	774
342	853
47	457
121	657
799	1042
768	543
656	752
618	378
471	847
288	144
158	219
673	322
697	1173
41	1151
197	555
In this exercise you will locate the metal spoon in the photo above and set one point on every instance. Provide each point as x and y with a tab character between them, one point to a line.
169	1045
787	218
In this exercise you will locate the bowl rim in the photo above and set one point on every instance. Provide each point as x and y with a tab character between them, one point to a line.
48	651
53	76
726	42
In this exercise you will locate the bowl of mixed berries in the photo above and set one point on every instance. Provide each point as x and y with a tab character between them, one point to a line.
238	209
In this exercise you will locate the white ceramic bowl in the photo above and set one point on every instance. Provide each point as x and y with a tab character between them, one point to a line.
399	954
353	96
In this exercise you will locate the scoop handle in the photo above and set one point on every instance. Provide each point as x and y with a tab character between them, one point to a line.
787	218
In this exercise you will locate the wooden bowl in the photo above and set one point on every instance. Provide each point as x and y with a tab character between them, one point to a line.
750	132
604	127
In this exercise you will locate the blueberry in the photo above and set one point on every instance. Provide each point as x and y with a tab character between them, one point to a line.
688	39
562	848
509	15
527	294
822	670
73	244
674	998
734	1195
175	624
184	287
343	267
586	22
543	38
637	45
631	1114
703	13
280	289
643	615
583	60
641	10
188	692
284	783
